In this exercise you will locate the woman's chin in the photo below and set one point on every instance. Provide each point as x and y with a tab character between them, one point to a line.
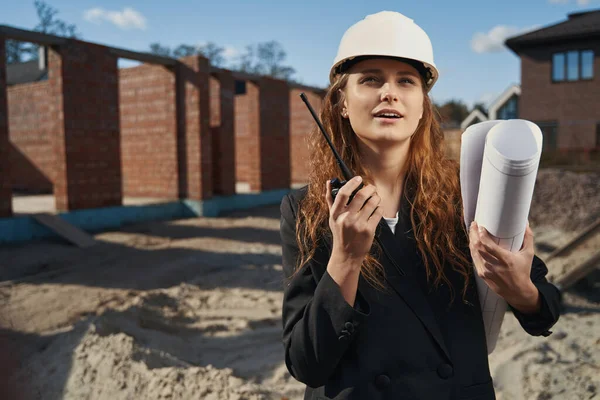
388	139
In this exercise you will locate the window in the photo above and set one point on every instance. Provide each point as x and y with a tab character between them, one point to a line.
558	67
550	134
509	109
573	65
587	64
240	87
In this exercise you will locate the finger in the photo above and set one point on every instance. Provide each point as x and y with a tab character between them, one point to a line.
328	196
473	235
473	247
489	245
370	205
360	199
341	199
490	259
527	245
374	219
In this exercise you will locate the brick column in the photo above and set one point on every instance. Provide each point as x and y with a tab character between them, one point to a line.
301	124
222	89
194	144
274	134
247	136
262	130
83	81
5	185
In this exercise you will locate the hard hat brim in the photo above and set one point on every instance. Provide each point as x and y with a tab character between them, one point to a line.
428	71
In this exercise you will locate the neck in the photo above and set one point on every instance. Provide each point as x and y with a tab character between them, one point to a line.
387	166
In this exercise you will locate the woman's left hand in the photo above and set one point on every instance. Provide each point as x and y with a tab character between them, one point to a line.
505	272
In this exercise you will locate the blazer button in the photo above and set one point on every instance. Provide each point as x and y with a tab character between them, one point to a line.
445	371
382	381
349	327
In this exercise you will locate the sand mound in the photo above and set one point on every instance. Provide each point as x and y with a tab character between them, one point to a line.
168	344
566	365
566	200
191	309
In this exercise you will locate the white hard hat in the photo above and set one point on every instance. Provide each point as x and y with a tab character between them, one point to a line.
387	34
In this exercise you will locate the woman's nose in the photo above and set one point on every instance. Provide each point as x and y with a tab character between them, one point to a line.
388	93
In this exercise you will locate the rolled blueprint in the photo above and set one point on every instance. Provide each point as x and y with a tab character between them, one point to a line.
499	163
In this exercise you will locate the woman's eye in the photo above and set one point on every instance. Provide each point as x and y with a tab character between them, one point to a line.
369	79
407	80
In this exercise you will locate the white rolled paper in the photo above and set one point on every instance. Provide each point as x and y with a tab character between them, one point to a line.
498	168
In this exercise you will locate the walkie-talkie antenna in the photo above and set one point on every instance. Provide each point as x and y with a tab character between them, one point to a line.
345	170
348	175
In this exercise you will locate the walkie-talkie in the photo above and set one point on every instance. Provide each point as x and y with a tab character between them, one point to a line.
336	184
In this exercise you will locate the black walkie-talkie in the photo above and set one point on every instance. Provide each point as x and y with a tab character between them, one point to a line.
336	184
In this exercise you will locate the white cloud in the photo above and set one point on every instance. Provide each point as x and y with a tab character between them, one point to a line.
579	2
230	52
493	41
126	19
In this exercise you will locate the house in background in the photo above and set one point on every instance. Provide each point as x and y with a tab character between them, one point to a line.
506	106
28	71
560	81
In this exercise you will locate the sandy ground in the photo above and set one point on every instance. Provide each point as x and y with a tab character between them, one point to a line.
192	309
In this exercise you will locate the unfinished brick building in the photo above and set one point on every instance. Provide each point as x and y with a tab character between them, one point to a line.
92	134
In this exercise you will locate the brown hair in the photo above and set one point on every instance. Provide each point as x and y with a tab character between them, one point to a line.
436	213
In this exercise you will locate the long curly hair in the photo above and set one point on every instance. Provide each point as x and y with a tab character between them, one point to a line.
436	212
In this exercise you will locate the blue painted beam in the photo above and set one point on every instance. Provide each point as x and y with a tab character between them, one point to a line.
25	228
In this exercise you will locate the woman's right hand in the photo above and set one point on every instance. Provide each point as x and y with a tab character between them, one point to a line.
353	226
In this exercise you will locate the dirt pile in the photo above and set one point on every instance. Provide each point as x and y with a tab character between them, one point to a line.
565	200
177	343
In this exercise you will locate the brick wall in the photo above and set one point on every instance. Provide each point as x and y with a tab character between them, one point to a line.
194	136
5	183
262	135
84	100
32	153
247	131
574	105
222	131
93	133
301	123
148	132
274	134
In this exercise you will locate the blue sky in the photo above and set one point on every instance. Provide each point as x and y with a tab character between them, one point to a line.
466	35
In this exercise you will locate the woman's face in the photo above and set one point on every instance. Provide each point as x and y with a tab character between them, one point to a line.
383	100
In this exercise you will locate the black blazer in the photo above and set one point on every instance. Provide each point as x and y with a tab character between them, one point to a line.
407	342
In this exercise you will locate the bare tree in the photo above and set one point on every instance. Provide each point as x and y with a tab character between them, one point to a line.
266	59
160	50
214	53
48	23
14	51
210	50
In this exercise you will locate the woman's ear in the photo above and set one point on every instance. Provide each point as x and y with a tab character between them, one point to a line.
344	103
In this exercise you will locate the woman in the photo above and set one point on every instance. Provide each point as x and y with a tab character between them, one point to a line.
396	318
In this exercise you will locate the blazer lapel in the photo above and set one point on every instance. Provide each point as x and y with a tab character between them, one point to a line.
399	251
400	259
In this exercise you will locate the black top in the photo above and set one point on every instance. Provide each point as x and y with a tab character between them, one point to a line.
407	342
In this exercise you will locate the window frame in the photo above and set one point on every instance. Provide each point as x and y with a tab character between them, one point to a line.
565	66
581	64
